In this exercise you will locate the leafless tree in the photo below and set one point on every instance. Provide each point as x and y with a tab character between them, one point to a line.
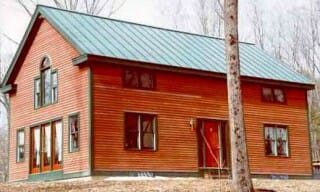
258	25
240	166
94	7
210	14
4	102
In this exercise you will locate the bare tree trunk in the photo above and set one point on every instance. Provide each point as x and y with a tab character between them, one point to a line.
240	166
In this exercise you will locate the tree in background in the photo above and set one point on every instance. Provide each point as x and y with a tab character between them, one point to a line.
240	166
94	7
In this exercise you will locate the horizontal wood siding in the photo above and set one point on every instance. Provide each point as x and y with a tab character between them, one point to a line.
72	97
177	99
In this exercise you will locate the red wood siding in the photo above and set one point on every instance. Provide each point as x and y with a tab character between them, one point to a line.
72	97
177	99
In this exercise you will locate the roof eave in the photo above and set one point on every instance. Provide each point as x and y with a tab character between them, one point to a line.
8	88
85	58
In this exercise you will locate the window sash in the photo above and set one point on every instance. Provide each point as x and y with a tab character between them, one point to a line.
273	95
74	133
20	149
139	79
279	144
46	86
37	93
54	86
145	133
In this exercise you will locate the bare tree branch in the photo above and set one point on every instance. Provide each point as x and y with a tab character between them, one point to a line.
10	39
25	7
114	9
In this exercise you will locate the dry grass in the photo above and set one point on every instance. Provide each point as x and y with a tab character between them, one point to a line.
185	184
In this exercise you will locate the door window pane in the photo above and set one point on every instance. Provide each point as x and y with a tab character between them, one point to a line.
57	158
47	146
35	150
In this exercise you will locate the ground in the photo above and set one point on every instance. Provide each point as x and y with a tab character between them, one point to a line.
159	184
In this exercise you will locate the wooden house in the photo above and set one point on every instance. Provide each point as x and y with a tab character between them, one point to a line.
97	96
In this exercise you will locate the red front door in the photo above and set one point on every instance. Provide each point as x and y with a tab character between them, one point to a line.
211	132
212	143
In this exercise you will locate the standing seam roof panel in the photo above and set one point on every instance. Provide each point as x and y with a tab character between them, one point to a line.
120	39
52	18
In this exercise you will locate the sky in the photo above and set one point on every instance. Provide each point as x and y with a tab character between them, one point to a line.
14	20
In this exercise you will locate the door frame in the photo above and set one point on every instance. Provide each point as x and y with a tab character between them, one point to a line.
201	144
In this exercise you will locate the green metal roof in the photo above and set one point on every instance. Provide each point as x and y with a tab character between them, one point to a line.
120	39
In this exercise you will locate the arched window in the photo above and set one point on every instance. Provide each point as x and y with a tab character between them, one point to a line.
46	91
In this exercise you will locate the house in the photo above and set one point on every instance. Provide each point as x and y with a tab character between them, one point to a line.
97	96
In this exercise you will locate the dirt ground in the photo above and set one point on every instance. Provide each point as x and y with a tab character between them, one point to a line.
163	185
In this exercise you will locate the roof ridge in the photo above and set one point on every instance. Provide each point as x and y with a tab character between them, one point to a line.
140	24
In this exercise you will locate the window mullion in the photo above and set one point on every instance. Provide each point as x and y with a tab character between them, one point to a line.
276	140
154	133
139	132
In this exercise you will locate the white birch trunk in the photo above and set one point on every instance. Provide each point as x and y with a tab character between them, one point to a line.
240	166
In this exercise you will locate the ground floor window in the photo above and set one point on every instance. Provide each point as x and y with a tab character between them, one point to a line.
140	131
46	147
20	145
74	132
276	140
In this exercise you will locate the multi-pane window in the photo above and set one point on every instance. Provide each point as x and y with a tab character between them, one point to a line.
140	131
20	145
273	95
276	140
74	133
139	79
46	147
46	86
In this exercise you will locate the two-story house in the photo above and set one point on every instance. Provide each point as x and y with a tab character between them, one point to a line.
97	96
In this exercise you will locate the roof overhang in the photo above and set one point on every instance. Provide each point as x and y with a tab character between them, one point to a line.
8	88
89	58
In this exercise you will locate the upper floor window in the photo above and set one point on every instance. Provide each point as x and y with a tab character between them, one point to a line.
276	140
139	79
273	95
46	86
140	131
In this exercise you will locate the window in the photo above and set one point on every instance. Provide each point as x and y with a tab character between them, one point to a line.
20	145
140	131
139	79
276	140
37	98
54	87
45	86
273	95
57	144
74	129
46	147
